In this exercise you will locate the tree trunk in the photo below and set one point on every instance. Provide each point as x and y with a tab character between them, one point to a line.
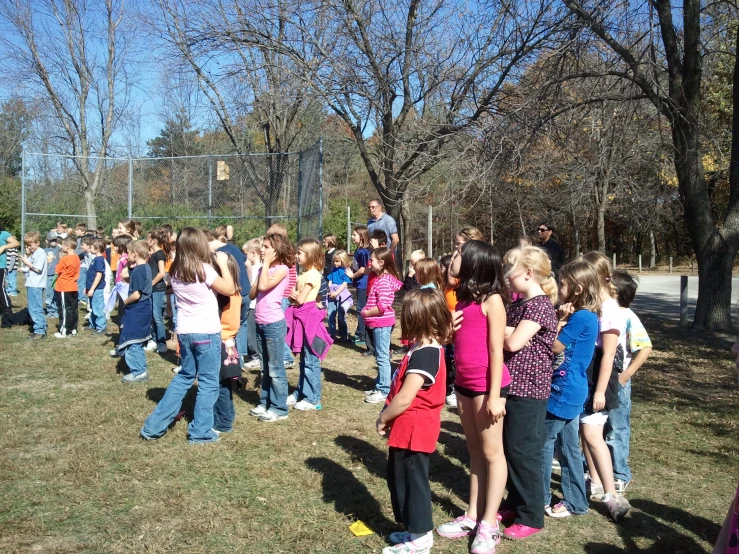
713	307
601	225
652	250
90	208
405	236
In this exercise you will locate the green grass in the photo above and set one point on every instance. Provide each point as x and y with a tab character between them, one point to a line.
77	478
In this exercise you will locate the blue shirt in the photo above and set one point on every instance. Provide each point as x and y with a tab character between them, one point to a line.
338	276
96	266
238	255
569	378
141	281
361	258
4	236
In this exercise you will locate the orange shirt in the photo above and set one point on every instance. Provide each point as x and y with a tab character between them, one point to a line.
451	298
68	270
114	257
231	317
168	263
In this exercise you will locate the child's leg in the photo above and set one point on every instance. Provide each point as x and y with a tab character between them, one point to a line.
252	334
223	409
73	315
98	321
52	309
343	331
263	353
207	352
573	477
478	469
157	322
81	286
135	359
361	303
553	425
331	308
451	368
287	353
369	336
276	345
310	372
599	460
381	337
36	309
413	504
5	303
59	297
491	436
618	433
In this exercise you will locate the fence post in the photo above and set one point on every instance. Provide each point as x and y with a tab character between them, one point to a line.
320	189
130	188
670	264
683	300
210	188
348	228
614	260
23	195
429	231
639	263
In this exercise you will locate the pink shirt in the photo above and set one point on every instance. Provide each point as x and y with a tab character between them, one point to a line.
471	354
197	306
122	261
269	303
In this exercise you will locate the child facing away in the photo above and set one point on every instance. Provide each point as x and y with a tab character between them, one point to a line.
638	349
411	418
53	254
252	251
603	390
136	323
481	386
339	297
36	262
65	289
410	282
95	288
329	244
428	274
379	317
268	290
224	414
579	295
158	241
306	334
194	282
531	325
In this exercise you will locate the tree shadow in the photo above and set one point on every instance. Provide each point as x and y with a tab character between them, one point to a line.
349	496
356	382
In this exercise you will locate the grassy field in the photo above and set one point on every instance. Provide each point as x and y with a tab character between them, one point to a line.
77	478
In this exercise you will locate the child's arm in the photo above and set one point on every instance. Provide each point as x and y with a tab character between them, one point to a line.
636	363
521	335
610	342
338	291
401	401
98	277
133	297
27	262
494	311
224	283
268	282
377	309
299	298
160	275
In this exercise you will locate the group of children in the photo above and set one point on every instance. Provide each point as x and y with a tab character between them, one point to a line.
539	370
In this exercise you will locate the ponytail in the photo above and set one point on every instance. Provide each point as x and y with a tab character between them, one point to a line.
550	288
537	261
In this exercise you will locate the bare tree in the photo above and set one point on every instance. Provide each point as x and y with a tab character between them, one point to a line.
71	52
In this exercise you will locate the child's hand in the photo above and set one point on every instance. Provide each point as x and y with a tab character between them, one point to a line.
457	319
349	273
89	293
599	401
381	427
221	259
332	294
294	294
269	257
623	379
495	408
565	310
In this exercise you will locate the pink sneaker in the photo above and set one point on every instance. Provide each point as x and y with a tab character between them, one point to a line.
517	532
486	538
462	526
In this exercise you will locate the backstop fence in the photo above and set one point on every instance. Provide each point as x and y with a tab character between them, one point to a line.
250	192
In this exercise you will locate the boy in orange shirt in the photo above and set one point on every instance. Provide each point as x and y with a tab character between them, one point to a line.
65	288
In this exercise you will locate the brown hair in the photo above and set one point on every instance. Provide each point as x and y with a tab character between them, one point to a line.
140	247
425	315
138	226
121	243
470	233
388	262
161	237
313	253
361	230
428	272
81	226
603	269
284	252
192	252
579	273
87	240
277	229
129	225
70	242
234	269
99	245
330	240
31	237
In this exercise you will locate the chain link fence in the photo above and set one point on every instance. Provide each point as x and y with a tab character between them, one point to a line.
250	192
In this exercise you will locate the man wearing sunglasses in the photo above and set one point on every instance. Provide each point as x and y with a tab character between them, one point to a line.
382	221
551	247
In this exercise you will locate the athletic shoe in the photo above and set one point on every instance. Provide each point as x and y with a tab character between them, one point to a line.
74	332
114	353
518	532
292	399
399	537
617	505
360	342
621	486
463	526
176	369
61	335
289	365
559	510
269	416
368	392
486	538
150	346
162	348
421	545
367	354
258	411
253	363
305	406
596	490
451	400
556	464
375	398
131	378
36	336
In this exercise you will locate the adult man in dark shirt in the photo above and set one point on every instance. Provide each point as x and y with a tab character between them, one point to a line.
551	247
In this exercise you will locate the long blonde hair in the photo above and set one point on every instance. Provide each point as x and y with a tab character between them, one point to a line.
581	274
534	259
603	269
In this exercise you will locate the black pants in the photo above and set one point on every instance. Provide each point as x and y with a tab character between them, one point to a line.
68	316
451	368
523	440
251	333
369	340
410	492
5	303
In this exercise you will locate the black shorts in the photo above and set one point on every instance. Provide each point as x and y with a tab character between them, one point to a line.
467	393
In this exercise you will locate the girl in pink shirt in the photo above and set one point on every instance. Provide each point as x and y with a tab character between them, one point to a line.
481	385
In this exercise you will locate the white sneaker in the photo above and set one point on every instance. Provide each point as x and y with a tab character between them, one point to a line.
74	332
162	348
462	526
292	399
269	416
620	486
150	346
259	410
421	545
596	491
375	398
451	400
61	335
113	353
253	363
368	392
306	406
176	369
486	538
131	378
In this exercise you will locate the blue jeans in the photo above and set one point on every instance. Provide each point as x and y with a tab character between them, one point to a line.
173	304
242	337
11	282
618	433
271	349
571	461
51	308
36	309
309	382
361	303
97	316
381	338
200	354
81	282
223	410
288	355
135	358
158	332
334	309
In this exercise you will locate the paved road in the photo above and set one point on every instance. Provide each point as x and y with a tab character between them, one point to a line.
660	294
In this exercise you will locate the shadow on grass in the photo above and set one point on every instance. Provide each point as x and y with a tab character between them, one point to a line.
249	396
356	382
648	523
155	394
349	496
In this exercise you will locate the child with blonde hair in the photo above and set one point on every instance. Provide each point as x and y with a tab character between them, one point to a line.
340	299
252	250
410	282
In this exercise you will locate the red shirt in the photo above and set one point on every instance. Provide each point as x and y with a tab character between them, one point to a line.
417	429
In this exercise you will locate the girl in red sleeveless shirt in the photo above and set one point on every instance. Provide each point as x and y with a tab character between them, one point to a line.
412	418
